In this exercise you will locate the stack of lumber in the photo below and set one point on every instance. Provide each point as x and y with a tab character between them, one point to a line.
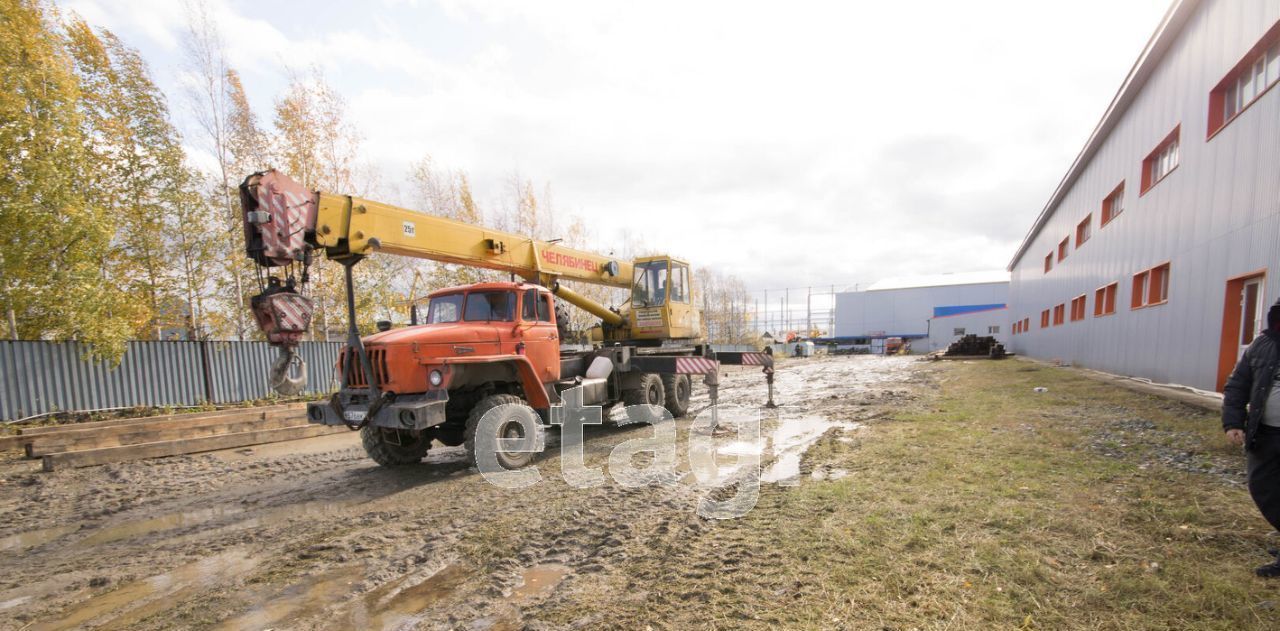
121	440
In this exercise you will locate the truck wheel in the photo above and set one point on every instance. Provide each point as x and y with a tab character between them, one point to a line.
516	420
677	389
644	402
381	446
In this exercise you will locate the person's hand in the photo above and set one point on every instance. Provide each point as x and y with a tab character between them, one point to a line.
1235	437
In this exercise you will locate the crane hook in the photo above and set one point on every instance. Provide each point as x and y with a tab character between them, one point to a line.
283	370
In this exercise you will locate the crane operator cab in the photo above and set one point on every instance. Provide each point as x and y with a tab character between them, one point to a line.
662	300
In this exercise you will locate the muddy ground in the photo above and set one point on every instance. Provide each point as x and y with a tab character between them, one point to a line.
312	535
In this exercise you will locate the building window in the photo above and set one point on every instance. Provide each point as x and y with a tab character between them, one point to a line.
958	331
993	330
1084	230
1257	71
1059	314
1162	160
1150	287
1104	300
1026	325
1078	308
1113	205
1048	262
1044	319
1063	247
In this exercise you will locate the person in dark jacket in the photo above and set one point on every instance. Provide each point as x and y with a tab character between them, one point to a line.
1251	417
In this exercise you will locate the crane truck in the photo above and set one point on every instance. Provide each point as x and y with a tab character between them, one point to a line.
485	348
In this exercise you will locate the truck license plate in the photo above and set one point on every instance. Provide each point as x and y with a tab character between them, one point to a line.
354	415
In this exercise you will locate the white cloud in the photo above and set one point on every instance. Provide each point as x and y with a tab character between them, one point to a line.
788	144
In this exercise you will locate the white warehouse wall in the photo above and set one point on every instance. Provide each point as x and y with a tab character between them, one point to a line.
1213	218
909	312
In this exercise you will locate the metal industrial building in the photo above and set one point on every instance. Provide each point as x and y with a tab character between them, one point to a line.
929	311
1157	253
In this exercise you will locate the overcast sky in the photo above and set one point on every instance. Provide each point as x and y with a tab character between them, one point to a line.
788	143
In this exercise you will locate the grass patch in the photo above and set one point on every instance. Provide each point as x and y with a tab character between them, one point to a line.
982	504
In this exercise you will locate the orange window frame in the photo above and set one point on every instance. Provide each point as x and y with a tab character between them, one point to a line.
1048	262
1079	305
1044	319
1059	314
1109	205
1084	230
1148	181
1063	248
1218	110
1104	300
1150	287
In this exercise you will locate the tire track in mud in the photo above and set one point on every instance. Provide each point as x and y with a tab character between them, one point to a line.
418	547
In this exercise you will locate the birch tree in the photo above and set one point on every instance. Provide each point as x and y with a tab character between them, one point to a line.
57	238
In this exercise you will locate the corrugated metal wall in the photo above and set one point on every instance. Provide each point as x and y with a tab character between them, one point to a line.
40	377
1216	216
909	311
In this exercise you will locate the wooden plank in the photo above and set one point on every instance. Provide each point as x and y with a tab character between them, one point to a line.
14	442
78	441
51	429
73	433
88	458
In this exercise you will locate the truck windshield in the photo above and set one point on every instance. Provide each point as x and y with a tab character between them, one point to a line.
650	287
444	309
486	306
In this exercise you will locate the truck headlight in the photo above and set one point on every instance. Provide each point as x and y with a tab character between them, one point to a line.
436	378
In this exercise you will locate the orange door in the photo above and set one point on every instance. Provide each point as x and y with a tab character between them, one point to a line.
537	329
1242	320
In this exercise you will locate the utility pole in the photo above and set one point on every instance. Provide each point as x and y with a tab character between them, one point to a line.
766	310
13	326
831	328
786	309
808	312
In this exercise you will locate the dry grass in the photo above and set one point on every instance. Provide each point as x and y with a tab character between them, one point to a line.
980	505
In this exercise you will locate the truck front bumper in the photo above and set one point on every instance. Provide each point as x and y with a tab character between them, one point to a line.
410	412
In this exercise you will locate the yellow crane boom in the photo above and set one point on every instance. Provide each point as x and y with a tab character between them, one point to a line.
347	225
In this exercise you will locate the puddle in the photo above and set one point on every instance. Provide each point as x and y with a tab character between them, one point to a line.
788	444
31	539
792	439
538	581
742	448
284	513
186	519
171	521
141	596
310	596
394	607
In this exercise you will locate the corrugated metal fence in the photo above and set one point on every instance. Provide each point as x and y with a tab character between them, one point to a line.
40	377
